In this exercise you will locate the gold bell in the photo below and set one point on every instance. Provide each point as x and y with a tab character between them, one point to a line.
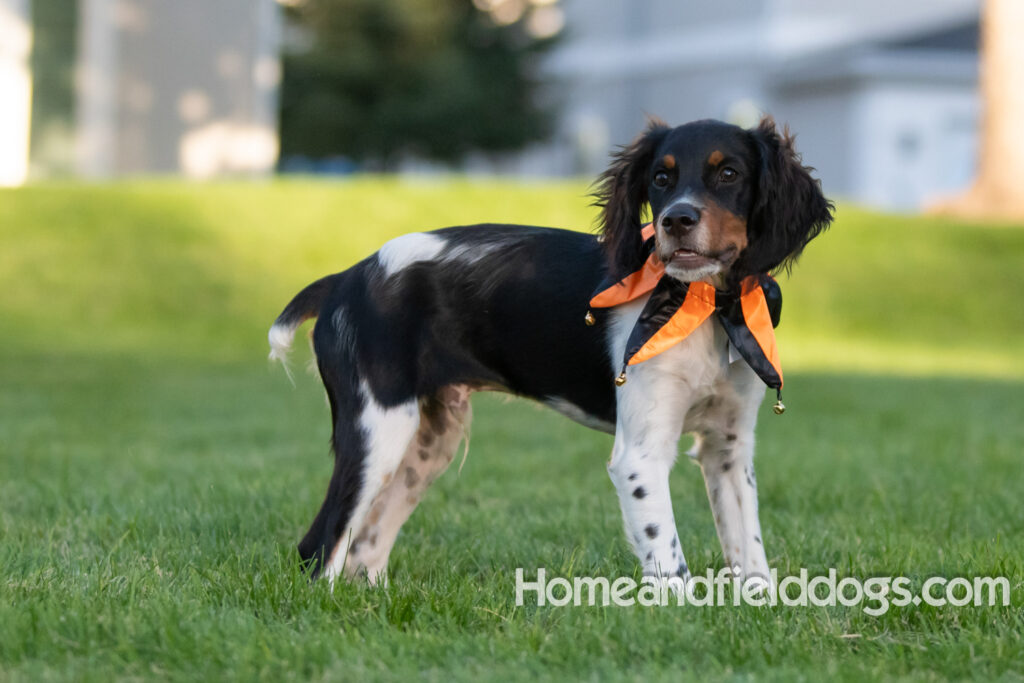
779	407
589	319
621	379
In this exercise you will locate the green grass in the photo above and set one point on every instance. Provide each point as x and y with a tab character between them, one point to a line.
155	473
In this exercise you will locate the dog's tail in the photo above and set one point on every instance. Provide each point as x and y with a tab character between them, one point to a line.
305	305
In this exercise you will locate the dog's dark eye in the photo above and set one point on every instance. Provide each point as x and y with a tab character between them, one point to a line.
660	179
727	175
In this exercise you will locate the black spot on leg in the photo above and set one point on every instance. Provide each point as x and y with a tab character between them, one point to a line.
639	493
650	555
633	476
730	437
682	570
758	539
412	477
727	465
651	530
674	541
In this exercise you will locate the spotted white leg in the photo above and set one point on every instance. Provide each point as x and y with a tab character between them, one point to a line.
641	480
647	434
728	469
725	452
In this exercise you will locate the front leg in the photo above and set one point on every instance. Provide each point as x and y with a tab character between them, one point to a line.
640	474
728	468
725	451
651	407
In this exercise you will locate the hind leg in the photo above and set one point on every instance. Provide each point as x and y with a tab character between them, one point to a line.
444	422
369	441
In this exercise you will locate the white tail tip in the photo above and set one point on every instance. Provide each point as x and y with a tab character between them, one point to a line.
280	337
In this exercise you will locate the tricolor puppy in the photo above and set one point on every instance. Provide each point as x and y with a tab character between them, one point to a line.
645	332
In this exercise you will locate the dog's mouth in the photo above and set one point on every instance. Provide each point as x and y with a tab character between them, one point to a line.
690	258
687	258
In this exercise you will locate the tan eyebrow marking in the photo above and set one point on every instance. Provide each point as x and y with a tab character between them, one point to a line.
715	158
669	161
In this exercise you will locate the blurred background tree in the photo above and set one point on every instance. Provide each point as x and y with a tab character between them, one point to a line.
55	41
381	80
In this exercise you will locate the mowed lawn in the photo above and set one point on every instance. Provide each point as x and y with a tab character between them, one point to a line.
156	472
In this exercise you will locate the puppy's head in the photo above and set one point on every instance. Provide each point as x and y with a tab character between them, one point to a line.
725	202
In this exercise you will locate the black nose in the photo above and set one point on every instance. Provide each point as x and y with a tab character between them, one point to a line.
680	218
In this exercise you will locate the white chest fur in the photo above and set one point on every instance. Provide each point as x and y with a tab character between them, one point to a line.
682	379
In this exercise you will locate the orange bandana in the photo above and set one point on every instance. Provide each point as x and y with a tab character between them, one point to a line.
675	309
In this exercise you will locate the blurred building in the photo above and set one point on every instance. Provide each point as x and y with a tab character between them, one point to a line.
130	87
187	86
882	94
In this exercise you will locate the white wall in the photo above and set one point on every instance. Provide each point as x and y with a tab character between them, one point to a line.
15	90
96	92
801	26
917	143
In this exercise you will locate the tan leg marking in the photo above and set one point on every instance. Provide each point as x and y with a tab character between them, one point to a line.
444	422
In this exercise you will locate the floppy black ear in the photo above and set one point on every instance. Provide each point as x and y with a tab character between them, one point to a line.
789	210
621	192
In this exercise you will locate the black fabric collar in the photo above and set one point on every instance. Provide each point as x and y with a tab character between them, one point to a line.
668	297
